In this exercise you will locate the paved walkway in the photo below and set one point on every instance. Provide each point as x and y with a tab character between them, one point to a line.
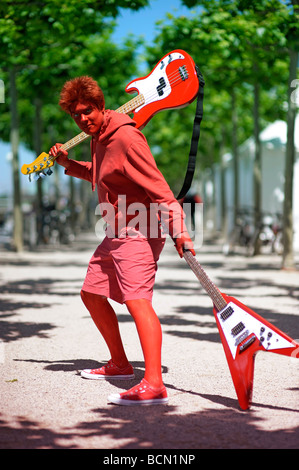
47	337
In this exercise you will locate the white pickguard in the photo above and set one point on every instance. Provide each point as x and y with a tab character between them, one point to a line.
148	86
268	338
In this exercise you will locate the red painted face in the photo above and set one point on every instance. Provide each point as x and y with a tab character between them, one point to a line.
88	118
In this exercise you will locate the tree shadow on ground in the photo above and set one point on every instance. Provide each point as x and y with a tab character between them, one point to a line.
157	427
12	305
41	286
15	330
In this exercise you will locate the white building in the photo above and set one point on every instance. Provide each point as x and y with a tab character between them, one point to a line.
273	140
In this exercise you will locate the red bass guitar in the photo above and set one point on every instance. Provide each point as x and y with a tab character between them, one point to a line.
243	333
173	83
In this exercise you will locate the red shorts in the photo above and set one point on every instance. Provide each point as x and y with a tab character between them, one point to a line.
124	268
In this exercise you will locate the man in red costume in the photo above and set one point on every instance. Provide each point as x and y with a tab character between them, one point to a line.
124	265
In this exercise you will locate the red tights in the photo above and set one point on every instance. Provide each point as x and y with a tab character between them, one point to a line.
148	328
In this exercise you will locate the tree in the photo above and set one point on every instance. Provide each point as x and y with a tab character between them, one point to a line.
279	21
35	30
238	56
288	261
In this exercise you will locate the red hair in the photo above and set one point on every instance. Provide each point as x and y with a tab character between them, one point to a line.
84	89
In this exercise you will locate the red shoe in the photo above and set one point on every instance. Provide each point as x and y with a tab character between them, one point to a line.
142	394
110	371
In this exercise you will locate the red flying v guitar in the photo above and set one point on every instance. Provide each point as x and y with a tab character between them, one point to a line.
243	333
173	83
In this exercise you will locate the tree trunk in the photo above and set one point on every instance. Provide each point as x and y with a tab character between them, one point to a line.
14	139
222	186
288	261
235	152
39	183
257	172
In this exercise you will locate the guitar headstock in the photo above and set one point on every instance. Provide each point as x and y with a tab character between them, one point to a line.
41	163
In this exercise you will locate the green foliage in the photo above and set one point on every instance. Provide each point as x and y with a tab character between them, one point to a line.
51	41
236	45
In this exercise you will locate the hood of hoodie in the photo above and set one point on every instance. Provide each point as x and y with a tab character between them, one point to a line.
113	121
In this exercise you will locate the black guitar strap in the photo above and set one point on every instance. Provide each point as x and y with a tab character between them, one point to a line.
195	137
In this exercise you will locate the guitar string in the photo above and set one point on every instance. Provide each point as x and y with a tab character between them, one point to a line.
206	282
174	79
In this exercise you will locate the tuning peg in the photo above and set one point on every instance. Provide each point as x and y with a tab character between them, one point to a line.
33	176
40	174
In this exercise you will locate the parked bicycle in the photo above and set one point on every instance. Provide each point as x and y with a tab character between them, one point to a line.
252	236
56	227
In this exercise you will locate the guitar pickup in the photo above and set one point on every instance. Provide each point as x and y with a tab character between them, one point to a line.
226	313
237	329
161	86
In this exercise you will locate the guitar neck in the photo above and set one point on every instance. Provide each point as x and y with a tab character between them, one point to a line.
128	107
124	109
214	293
75	141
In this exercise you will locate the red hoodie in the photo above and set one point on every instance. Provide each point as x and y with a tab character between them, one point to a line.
130	186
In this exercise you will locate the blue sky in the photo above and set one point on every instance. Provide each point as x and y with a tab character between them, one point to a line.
142	22
6	173
129	22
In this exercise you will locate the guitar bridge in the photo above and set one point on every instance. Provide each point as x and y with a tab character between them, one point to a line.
248	342
183	72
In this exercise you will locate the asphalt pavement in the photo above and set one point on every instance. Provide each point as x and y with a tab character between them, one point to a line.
47	337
